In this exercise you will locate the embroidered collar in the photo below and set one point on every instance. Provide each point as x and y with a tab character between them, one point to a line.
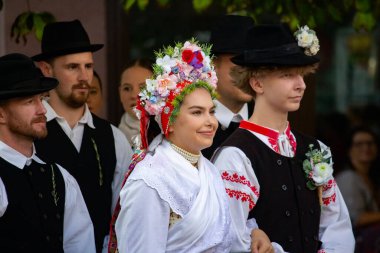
272	135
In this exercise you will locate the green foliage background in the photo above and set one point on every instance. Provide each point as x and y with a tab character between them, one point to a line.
361	14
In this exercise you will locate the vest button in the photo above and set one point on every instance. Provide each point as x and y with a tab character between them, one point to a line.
299	187
58	216
279	162
284	187
306	239
42	169
311	211
30	173
47	238
60	238
40	195
290	238
45	216
287	213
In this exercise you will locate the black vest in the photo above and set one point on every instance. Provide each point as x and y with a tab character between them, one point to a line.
93	167
33	220
286	210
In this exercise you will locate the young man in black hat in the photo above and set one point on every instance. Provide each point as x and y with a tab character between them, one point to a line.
96	152
228	39
279	176
41	206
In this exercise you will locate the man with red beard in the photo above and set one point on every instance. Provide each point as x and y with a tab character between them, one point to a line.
96	152
41	206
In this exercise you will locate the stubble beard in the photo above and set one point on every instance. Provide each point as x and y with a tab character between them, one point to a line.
75	99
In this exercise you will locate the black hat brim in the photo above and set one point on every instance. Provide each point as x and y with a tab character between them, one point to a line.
65	51
294	60
30	88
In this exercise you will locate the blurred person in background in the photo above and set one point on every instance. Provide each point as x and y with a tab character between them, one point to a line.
132	80
359	187
232	105
95	96
355	182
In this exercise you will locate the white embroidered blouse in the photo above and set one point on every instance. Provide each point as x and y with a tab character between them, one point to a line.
163	182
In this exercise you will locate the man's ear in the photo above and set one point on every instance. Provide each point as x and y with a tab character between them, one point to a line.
256	85
3	118
45	68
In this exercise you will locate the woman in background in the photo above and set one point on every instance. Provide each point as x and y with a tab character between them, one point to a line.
95	96
355	182
131	82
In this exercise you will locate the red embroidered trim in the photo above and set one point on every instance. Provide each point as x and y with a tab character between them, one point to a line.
321	251
112	243
271	134
327	201
244	197
235	178
329	185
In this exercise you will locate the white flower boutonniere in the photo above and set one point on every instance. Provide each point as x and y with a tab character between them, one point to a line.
318	167
307	39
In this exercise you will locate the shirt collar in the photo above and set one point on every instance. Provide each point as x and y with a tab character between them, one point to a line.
224	115
51	114
16	158
272	134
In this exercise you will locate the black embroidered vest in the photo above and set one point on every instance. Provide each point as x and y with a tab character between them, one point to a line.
93	167
33	220
286	210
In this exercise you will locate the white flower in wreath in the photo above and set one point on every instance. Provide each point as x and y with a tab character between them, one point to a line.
150	85
321	173
166	63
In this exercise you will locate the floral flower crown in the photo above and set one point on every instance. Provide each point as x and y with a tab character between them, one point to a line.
177	72
307	39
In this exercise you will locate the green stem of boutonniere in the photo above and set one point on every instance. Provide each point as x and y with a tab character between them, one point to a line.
54	191
98	159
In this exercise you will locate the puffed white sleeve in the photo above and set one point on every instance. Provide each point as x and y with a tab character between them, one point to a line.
143	222
123	158
3	198
78	231
243	190
335	230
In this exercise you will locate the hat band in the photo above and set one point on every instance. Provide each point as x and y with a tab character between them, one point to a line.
287	49
65	46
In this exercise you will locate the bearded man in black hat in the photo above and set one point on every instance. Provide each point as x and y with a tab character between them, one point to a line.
96	152
228	38
41	206
278	176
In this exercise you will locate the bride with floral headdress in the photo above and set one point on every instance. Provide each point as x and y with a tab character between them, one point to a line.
173	199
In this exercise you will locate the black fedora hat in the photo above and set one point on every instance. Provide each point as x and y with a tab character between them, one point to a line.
62	38
19	77
229	34
273	45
